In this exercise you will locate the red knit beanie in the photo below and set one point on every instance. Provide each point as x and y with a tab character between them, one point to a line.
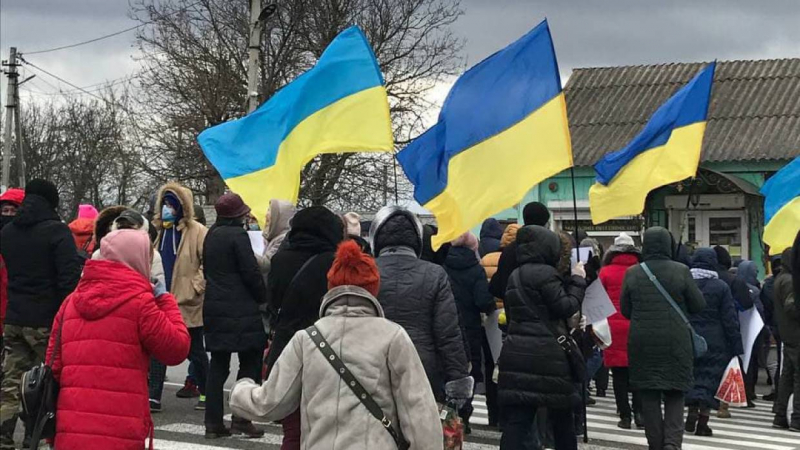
352	267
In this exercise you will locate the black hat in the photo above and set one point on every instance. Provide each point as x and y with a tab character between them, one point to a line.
44	189
535	213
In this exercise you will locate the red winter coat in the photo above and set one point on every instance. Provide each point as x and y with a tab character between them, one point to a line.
112	326
612	276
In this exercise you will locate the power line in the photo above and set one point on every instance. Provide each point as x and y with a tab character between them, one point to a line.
62	80
78	44
116	33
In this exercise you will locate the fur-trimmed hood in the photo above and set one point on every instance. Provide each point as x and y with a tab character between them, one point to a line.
184	196
102	225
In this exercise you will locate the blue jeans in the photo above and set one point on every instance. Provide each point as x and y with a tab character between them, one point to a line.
593	364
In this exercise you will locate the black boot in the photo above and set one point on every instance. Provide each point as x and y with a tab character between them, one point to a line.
702	427
217	431
245	427
691	419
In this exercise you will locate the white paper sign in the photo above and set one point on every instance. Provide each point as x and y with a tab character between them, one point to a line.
493	334
585	253
597	304
750	325
257	242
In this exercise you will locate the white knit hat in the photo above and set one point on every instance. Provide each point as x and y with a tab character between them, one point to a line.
623	240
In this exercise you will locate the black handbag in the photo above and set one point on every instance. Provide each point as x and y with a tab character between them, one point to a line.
571	349
39	395
350	380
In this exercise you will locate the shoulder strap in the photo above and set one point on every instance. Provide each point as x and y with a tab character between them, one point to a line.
560	337
57	343
302	268
363	396
666	295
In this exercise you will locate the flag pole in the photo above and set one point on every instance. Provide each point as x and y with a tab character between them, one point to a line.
575	209
688	204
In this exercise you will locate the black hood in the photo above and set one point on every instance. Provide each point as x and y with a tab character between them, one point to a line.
35	209
705	258
394	226
724	259
492	229
657	244
460	258
538	245
316	229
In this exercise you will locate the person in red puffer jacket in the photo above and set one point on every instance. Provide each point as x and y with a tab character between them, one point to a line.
109	327
622	255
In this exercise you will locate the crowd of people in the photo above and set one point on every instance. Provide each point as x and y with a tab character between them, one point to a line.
362	333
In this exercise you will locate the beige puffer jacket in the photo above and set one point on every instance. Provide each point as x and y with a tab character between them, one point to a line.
380	355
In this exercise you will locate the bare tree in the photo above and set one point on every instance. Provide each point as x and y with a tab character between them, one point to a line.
84	146
195	57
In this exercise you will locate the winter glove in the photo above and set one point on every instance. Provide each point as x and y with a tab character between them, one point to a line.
459	392
159	289
578	270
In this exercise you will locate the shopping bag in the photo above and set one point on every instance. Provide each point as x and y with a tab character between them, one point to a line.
452	427
731	389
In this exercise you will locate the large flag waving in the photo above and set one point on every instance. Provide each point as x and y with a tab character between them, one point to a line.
502	129
340	105
782	207
667	150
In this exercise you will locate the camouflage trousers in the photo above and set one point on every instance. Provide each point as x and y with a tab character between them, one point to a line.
24	349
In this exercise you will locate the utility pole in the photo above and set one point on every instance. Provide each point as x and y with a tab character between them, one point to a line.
11	105
255	54
257	18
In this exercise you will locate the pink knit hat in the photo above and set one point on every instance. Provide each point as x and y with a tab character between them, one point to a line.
87	212
129	247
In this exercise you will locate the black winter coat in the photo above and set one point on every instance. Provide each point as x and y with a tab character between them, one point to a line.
234	289
787	304
416	295
505	267
42	261
316	232
718	323
534	370
471	292
660	351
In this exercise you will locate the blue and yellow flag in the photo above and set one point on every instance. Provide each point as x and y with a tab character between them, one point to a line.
502	129
339	105
782	207
667	150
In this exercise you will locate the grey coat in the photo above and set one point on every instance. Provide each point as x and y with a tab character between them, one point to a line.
380	355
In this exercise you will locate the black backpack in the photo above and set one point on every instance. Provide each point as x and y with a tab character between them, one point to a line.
39	395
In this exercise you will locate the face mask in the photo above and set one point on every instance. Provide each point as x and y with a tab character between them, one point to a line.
167	213
5	220
253	227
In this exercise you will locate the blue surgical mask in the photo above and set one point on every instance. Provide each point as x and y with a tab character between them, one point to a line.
253	227
167	213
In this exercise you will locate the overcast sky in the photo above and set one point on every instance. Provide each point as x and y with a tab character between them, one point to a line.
586	32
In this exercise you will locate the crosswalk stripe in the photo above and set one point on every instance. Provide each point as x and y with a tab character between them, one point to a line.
748	428
268	438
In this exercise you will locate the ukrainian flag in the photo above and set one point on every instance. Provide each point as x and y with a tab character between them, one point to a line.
666	151
340	105
782	207
502	129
